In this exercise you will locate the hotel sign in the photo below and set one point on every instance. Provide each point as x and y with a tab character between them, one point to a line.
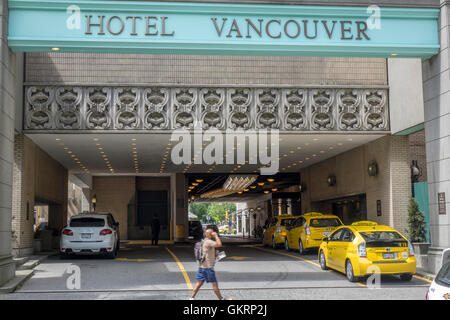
212	28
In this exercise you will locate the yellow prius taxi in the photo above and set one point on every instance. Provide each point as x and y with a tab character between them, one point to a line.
365	248
275	233
308	230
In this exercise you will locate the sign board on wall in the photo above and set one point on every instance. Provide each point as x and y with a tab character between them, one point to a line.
441	203
215	28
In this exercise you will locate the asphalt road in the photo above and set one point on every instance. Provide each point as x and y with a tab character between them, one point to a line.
168	272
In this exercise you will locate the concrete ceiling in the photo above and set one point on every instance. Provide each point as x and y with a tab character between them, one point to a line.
82	152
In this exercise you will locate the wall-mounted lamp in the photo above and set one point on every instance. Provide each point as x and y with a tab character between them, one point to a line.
302	187
372	169
416	171
331	180
94	201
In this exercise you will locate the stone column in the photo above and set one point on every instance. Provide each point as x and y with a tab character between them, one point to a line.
436	87
7	116
180	205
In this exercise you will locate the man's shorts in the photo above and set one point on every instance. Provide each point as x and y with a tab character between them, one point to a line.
206	274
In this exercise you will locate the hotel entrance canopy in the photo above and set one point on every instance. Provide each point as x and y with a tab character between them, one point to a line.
221	29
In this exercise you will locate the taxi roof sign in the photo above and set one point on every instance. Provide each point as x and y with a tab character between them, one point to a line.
364	224
312	214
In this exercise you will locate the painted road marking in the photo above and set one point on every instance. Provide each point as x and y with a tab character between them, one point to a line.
423	279
305	260
183	271
134	260
236	258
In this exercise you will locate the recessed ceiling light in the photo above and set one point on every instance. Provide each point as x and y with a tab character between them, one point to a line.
55	49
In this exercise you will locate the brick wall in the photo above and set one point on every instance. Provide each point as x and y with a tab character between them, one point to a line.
114	194
37	176
392	185
189	69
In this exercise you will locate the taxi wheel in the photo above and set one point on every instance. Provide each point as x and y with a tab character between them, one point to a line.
286	245
406	277
301	250
349	272
274	244
323	261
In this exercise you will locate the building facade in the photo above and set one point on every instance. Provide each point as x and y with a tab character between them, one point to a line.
104	119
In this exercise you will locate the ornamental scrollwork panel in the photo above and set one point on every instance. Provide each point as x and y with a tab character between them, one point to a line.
239	105
212	105
126	102
156	108
349	109
375	110
68	104
98	109
322	109
38	108
184	108
267	108
294	108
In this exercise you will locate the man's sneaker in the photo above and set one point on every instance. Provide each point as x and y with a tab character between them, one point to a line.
226	298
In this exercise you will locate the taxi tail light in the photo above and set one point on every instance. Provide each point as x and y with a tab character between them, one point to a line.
362	252
410	249
307	229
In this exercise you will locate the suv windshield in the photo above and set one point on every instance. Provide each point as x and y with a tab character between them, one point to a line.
87	222
443	277
324	222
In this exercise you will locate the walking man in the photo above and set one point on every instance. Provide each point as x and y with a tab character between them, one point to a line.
206	269
156	226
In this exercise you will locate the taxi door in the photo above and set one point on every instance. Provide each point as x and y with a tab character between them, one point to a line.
295	233
341	248
333	248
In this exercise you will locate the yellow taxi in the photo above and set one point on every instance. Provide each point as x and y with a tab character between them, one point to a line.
308	230
275	233
365	248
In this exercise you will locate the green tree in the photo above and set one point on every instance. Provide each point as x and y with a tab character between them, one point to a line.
217	210
416	222
200	209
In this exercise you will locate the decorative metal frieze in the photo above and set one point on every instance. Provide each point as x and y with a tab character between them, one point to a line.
156	108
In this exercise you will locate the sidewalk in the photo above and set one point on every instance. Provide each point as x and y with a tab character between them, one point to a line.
24	270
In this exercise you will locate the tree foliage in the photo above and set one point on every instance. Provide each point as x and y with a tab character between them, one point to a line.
216	212
416	222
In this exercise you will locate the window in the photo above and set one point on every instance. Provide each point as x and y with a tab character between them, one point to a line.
347	236
337	235
443	277
286	222
299	222
87	222
325	222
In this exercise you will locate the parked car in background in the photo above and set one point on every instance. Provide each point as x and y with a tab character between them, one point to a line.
275	233
440	287
308	230
195	230
353	249
90	234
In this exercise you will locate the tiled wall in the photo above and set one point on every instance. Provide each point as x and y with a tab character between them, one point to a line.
219	70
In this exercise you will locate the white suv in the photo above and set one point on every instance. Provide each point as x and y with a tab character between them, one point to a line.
90	234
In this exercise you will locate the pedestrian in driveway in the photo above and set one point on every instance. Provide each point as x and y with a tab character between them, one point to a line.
156	226
206	269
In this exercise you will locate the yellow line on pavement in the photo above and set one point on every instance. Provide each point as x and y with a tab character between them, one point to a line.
305	260
183	271
423	279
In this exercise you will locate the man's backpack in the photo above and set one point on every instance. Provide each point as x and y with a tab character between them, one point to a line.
198	252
